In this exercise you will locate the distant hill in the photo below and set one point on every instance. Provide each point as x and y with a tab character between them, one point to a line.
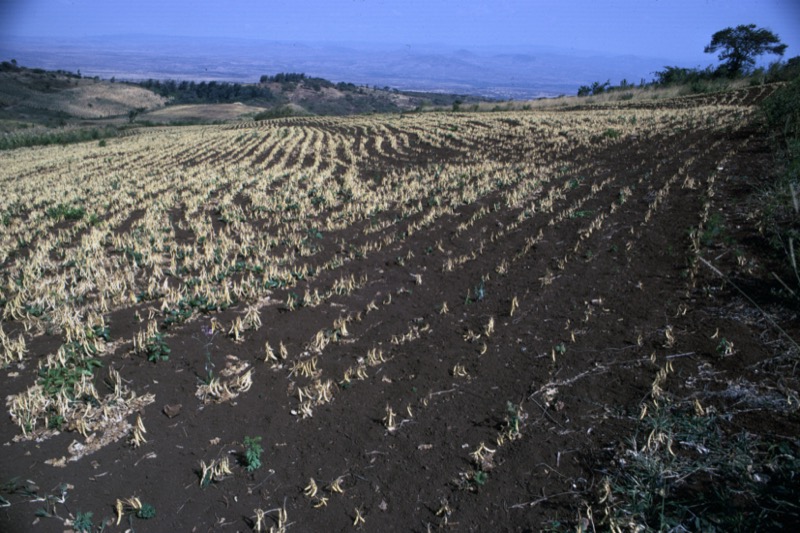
499	72
33	101
54	97
285	94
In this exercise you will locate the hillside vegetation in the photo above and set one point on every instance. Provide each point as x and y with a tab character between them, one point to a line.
34	96
57	107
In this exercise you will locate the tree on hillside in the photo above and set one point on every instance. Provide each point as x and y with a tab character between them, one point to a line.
740	46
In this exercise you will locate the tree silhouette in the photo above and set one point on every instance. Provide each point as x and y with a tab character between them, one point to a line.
740	46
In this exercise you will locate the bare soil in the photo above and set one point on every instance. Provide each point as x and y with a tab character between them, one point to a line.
599	315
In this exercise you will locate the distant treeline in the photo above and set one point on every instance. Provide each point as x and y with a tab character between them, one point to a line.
61	137
12	66
289	79
212	92
697	80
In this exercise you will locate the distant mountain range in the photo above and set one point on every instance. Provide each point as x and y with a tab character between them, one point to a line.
493	72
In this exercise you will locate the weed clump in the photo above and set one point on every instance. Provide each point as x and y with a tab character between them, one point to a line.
686	470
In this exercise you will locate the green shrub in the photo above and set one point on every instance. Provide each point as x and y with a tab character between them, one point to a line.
252	453
157	348
782	111
779	204
275	112
63	137
83	522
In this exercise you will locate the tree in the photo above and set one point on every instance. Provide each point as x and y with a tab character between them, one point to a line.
740	46
600	88
133	113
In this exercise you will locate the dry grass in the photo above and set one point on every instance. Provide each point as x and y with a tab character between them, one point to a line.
202	112
96	100
634	95
79	98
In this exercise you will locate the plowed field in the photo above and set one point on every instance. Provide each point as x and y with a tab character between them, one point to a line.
440	320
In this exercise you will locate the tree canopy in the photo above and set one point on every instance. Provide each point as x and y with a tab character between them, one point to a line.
740	46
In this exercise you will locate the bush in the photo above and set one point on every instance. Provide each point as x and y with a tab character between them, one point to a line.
782	111
779	204
70	136
275	112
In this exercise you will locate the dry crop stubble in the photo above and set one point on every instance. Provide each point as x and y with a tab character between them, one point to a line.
326	252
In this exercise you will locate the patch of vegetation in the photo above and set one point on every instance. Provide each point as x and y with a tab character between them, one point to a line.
252	453
78	363
276	112
686	471
477	294
714	230
62	137
16	486
738	48
66	212
212	92
157	348
480	478
779	204
83	522
146	512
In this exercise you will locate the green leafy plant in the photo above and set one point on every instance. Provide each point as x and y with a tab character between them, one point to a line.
480	477
55	422
83	522
66	212
13	486
157	349
252	453
77	363
146	512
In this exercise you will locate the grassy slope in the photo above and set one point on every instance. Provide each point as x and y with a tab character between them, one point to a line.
38	98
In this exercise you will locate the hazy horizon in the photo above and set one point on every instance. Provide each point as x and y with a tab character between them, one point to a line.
453	42
676	29
501	72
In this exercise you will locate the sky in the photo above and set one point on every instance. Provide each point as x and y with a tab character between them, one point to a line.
676	29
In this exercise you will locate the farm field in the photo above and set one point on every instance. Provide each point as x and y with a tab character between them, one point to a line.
382	323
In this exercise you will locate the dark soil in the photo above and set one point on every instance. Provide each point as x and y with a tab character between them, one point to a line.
599	313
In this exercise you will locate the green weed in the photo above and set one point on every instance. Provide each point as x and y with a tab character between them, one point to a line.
78	364
66	212
480	477
252	453
157	349
146	512
683	471
83	522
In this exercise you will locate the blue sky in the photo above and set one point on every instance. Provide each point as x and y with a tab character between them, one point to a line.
672	29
